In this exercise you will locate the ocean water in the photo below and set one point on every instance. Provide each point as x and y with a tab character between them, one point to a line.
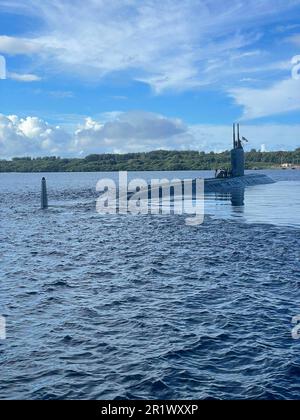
146	307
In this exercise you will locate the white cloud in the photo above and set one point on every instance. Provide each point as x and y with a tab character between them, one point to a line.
14	46
263	148
280	98
171	45
30	136
132	132
27	78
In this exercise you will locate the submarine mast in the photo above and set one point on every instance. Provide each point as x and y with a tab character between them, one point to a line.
237	154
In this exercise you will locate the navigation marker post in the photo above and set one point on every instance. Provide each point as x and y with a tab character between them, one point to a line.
44	195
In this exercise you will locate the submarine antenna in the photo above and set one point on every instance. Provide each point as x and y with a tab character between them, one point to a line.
239	140
234	141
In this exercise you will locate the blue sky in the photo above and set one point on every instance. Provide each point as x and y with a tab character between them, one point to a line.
129	75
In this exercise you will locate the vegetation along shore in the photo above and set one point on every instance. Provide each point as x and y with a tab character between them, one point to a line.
161	160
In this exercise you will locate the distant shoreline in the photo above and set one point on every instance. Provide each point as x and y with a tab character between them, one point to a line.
160	160
272	168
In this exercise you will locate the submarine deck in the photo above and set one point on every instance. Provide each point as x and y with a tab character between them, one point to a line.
219	185
227	184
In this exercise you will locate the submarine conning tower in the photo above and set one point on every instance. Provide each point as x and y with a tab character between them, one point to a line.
237	154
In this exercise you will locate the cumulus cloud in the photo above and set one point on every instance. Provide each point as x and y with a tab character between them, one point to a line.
131	132
117	132
167	44
30	136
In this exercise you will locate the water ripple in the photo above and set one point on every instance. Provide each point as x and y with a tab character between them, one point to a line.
146	307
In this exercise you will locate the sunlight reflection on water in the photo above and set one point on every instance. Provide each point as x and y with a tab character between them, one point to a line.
277	204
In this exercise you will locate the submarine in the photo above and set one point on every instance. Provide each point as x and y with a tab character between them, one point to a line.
225	180
233	181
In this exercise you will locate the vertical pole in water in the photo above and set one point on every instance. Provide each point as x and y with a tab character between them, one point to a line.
44	196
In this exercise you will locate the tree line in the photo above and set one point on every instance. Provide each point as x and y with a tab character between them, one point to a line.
161	160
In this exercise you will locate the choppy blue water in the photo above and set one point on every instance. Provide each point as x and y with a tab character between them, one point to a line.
146	306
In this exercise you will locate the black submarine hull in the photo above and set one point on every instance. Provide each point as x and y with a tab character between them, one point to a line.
211	185
241	182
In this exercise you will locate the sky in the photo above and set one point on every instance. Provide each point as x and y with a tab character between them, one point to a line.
128	76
